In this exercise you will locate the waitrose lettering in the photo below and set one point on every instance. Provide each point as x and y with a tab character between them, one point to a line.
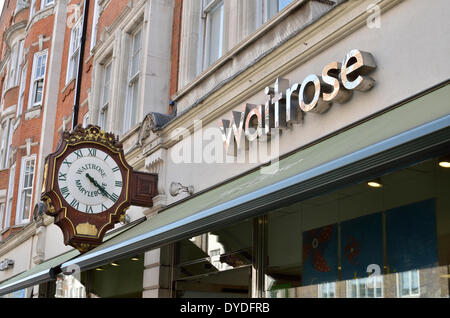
286	104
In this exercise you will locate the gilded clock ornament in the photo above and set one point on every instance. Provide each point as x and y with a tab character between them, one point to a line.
88	186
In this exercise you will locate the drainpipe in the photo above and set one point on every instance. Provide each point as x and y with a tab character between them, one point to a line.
76	106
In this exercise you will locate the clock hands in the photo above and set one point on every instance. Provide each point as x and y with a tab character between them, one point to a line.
102	190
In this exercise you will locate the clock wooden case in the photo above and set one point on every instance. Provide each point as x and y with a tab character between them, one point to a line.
88	186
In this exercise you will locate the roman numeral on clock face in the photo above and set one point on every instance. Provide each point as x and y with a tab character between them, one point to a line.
75	204
66	162
89	209
115	169
62	176
65	192
114	197
79	153
92	152
119	184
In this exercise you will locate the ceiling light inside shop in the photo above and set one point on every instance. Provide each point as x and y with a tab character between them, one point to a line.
375	183
99	269
134	259
114	264
445	163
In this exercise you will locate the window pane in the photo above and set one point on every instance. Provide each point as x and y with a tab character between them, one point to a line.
283	4
103	118
106	84
137	42
39	85
26	203
135	92
135	54
215	30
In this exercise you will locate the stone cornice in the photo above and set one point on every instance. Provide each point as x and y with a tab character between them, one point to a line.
13	29
338	23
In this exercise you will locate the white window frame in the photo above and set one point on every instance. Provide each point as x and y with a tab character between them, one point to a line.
23	84
86	120
5	142
20	209
46	3
373	282
74	52
95	24
132	80
10	196
327	286
34	79
32	9
209	7
104	105
410	294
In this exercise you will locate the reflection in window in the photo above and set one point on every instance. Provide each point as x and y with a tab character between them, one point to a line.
371	287
215	263
327	290
408	284
69	287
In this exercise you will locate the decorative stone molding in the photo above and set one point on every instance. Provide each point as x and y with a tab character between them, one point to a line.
152	123
20	5
33	112
12	30
155	163
39	249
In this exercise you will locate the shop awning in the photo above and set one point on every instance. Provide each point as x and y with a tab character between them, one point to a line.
45	271
408	131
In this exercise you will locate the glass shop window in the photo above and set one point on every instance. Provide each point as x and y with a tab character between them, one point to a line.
363	241
215	264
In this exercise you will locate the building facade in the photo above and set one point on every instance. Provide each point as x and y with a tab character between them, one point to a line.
301	149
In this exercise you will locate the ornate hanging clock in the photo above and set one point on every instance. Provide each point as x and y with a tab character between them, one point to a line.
88	186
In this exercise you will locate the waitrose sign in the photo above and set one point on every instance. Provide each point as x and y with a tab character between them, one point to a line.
286	104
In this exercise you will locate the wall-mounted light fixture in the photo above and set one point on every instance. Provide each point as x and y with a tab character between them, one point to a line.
176	188
6	264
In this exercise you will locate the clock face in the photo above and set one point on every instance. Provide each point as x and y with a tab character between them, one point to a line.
90	180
